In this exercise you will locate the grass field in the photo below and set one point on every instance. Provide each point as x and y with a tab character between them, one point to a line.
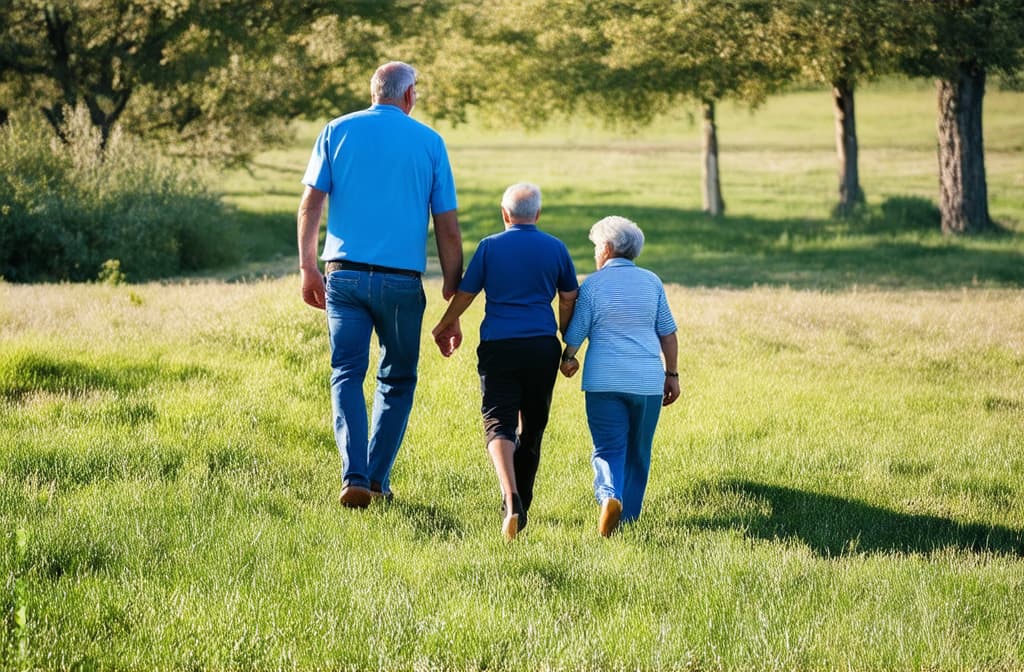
839	486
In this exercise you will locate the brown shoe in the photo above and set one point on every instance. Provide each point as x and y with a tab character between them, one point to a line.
355	497
611	510
510	526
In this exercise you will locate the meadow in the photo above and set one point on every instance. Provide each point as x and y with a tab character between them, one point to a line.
838	487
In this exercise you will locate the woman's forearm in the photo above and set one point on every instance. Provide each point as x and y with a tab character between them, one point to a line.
670	351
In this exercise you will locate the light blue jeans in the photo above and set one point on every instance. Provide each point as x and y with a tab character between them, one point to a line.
359	303
622	426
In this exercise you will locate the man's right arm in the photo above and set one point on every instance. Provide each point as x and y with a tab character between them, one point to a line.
449	250
311	209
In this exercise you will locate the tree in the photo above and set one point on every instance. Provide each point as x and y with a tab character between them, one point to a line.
959	42
841	43
624	61
196	72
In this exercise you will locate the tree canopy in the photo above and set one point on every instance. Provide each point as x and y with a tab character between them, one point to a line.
216	77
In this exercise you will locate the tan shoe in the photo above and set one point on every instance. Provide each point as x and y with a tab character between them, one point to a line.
611	510
355	497
510	526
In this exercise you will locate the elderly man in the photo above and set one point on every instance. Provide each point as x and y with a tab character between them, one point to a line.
384	174
520	270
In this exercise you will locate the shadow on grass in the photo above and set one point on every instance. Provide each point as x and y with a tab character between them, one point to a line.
23	373
429	521
897	244
834	526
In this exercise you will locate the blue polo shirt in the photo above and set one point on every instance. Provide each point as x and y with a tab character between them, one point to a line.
622	309
520	270
384	173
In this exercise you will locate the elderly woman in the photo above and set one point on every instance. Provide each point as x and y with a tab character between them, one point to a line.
623	311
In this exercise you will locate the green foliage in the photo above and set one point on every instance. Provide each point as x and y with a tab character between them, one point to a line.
67	208
943	37
523	62
213	78
110	273
848	41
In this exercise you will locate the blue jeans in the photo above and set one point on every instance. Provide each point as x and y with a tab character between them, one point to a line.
358	303
622	427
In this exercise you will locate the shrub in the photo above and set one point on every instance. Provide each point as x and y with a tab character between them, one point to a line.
68	207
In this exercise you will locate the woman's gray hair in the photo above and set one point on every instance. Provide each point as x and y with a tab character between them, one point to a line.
522	200
625	236
391	80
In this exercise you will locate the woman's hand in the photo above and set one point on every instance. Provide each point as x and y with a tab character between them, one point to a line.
569	367
671	390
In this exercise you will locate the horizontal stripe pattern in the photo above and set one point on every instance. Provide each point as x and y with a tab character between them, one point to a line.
622	311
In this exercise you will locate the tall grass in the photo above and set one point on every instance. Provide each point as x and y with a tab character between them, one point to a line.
838	487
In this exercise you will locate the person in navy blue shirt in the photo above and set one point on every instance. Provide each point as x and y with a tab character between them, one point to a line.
520	270
385	174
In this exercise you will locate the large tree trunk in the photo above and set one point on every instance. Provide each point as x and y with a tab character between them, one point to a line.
713	203
850	193
963	191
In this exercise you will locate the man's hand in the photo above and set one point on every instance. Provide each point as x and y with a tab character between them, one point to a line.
671	390
569	367
448	339
313	290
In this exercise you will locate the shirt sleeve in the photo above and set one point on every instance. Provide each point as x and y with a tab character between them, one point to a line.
664	324
318	170
442	192
567	281
582	317
473	279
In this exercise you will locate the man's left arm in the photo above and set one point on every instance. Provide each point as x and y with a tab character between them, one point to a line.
449	250
566	306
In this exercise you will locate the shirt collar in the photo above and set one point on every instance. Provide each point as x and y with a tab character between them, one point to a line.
384	107
617	261
524	227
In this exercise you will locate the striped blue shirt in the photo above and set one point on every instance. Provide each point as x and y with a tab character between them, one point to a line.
622	309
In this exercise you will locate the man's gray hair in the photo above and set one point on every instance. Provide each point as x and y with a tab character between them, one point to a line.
625	236
522	200
391	80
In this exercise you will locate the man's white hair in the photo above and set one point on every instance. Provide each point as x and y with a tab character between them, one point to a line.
522	200
625	236
391	80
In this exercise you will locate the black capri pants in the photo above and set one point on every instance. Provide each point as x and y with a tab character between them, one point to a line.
517	376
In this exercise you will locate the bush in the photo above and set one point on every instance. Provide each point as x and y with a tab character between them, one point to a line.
68	207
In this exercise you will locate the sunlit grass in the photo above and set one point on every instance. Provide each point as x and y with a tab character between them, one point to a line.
839	485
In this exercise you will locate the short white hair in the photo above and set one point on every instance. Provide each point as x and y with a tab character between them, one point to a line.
625	236
391	80
522	200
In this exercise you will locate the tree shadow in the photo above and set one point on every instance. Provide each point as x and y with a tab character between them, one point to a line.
834	526
896	244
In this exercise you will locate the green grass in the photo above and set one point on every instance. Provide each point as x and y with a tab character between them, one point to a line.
838	487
